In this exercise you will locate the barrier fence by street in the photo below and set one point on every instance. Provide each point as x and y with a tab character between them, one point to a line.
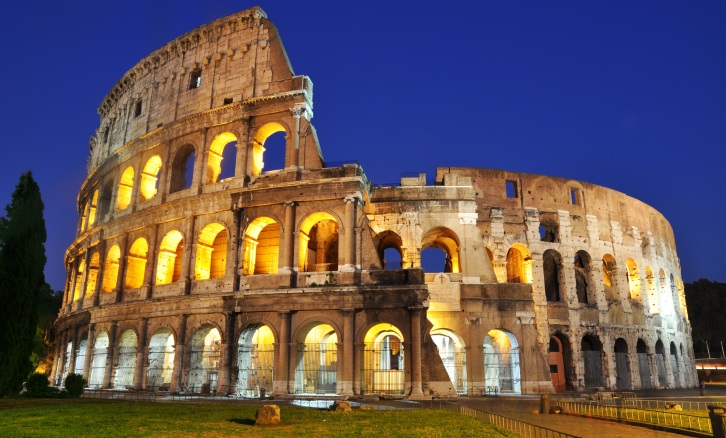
526	430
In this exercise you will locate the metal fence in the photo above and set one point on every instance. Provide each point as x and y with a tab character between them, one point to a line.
526	430
669	419
663	404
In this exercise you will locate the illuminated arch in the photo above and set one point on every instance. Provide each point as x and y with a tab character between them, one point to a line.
261	248
258	146
125	187
110	269
92	275
78	282
182	169
653	295
211	257
169	263
608	269
255	360
452	351
519	264
204	360
123	372
447	241
318	243
136	264
98	363
316	371
501	361
217	154
666	297
383	360
150	178
161	360
633	277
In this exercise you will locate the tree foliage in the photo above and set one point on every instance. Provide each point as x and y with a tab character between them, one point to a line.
22	260
706	301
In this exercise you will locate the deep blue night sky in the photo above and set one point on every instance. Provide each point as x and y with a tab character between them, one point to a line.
629	95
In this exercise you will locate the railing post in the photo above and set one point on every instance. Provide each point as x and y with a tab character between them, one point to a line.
717	414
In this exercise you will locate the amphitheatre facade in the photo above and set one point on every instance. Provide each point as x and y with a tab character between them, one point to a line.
198	268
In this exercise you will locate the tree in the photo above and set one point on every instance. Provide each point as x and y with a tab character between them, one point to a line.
22	260
706	301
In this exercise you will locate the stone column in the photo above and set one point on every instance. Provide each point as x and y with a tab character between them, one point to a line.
345	381
141	355
351	203
60	357
225	355
287	250
292	158
101	270
150	268
89	348
416	386
74	346
121	276
110	355
176	373
56	359
186	274
200	163
84	277
281	377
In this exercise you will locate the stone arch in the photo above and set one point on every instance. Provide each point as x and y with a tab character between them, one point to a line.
169	262
136	264
160	360
106	200
390	247
501	361
660	358
623	379
123	372
633	278
211	254
316	369
653	295
561	362
204	359
553	275
447	241
643	365
125	188
149	185
591	348
98	363
452	351
110	269
255	360
318	236
222	148
80	267
584	286
92	275
519	264
258	146
666	298
261	247
675	365
609	277
182	168
383	360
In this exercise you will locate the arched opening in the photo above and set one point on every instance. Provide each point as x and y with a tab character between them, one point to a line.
125	361
519	264
319	243
446	241
666	298
501	362
633	277
653	298
204	360
222	157
674	293
548	230
675	366
125	186
592	355
389	250
255	360
92	275
66	363
161	361
136	264
383	360
78	281
80	355
552	270
106	199
453	354
622	365
182	170
582	263
609	277
98	363
660	364
267	138
92	205
560	362
261	249
644	365
110	270
149	185
317	361
211	261
682	299
169	263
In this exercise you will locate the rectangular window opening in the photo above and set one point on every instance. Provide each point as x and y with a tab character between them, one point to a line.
137	109
105	135
195	79
227	100
574	197
511	189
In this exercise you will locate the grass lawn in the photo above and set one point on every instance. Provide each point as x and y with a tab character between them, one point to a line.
81	418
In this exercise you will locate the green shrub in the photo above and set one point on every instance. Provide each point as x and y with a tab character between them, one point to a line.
37	385
75	384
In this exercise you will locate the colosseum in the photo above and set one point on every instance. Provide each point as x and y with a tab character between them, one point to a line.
217	252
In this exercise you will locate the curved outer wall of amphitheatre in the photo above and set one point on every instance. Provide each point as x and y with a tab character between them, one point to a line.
198	268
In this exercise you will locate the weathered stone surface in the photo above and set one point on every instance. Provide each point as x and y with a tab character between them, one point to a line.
341	406
267	415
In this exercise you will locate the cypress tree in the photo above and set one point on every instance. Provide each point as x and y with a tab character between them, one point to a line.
22	260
